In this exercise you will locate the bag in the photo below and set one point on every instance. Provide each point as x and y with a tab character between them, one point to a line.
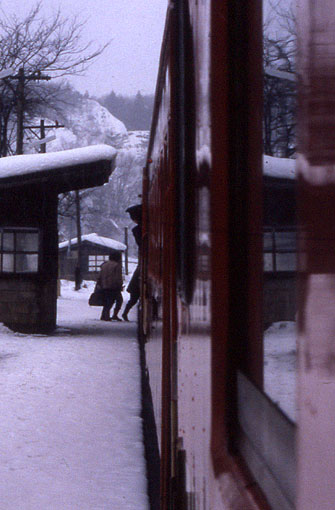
97	297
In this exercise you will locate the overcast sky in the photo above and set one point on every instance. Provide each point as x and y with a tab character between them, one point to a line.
136	29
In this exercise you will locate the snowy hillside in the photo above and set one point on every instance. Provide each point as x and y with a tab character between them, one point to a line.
103	209
86	123
90	122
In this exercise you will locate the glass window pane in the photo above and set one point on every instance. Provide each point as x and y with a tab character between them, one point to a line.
268	262
8	241
91	259
8	263
286	261
267	241
279	204
27	241
26	263
286	241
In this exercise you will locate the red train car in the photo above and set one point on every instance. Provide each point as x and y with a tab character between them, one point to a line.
224	444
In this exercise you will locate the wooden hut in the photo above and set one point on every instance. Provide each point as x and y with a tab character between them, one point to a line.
29	188
95	250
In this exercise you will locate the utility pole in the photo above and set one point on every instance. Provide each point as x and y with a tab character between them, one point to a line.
42	139
20	101
20	111
43	148
78	278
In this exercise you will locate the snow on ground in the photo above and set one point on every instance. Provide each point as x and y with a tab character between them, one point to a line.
71	432
280	357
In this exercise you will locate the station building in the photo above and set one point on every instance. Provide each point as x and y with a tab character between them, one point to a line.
95	250
29	188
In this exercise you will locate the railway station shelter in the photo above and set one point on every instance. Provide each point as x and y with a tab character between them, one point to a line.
29	188
95	250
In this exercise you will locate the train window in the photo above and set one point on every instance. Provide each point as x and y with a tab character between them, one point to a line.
280	226
186	174
266	382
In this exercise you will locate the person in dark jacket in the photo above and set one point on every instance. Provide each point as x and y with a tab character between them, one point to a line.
110	281
133	288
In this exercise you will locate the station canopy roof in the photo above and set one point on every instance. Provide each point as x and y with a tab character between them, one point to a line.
94	239
63	171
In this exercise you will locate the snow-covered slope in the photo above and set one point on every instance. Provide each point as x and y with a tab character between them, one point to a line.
86	123
90	123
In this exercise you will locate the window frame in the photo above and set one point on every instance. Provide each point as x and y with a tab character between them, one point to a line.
16	252
275	250
95	265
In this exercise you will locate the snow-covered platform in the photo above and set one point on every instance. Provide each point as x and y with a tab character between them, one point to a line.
70	406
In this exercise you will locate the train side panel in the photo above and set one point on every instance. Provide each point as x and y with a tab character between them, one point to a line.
316	438
193	370
180	271
202	230
224	444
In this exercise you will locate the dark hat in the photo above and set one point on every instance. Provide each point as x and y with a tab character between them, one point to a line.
134	209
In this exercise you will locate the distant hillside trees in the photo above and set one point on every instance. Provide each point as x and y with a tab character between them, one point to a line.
135	111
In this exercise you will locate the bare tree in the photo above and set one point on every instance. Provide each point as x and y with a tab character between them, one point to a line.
38	46
279	121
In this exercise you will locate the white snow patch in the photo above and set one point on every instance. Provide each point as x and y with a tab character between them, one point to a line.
280	358
94	114
71	430
204	155
279	167
137	139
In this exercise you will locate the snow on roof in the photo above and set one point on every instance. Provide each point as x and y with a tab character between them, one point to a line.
31	163
96	239
279	167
